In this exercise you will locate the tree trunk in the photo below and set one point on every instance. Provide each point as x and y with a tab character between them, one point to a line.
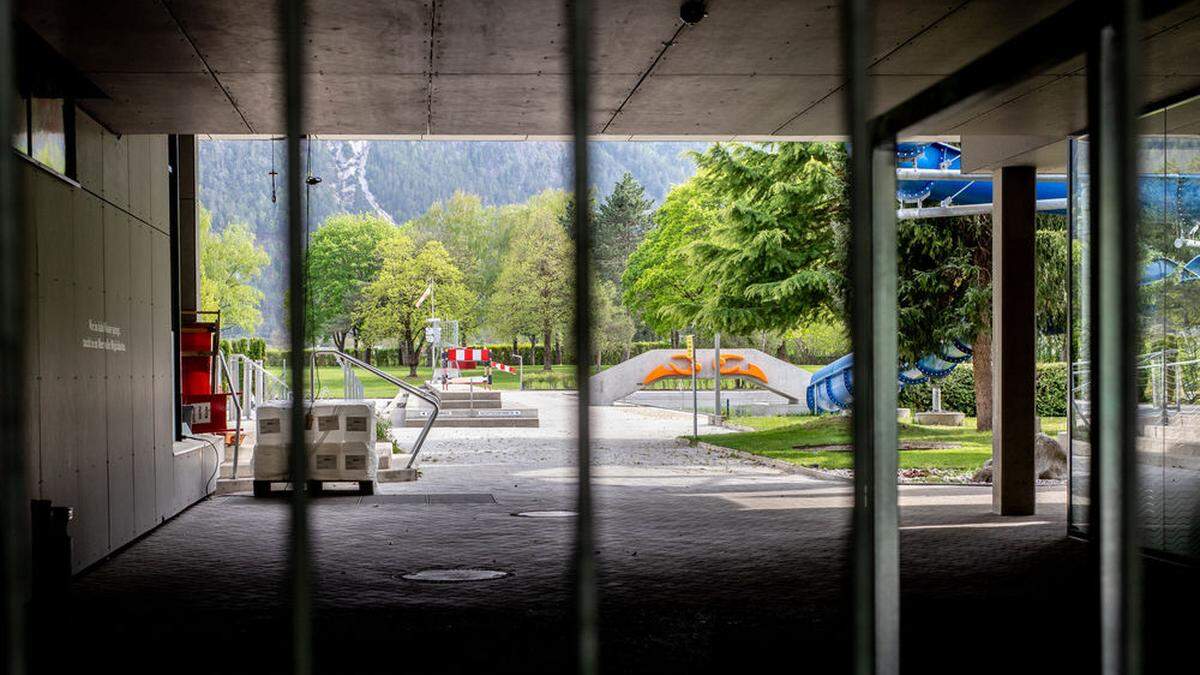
339	340
368	355
983	380
599	354
674	339
546	351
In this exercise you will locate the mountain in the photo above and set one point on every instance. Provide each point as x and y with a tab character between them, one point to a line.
401	179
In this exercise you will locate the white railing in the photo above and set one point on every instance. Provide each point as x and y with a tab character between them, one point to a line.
257	384
1168	382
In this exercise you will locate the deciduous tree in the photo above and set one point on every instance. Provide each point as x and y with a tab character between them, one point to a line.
533	293
230	262
342	260
388	308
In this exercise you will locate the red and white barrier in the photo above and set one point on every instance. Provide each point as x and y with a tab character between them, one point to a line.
468	354
501	367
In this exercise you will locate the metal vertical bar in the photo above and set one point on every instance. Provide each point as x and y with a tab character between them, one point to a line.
293	26
1113	99
876	600
716	378
578	41
14	536
173	220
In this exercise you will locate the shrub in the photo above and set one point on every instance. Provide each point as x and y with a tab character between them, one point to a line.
958	391
551	380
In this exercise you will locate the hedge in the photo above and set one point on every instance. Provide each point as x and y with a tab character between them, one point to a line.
255	348
500	352
958	391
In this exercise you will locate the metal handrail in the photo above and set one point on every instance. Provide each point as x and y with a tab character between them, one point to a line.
223	367
426	395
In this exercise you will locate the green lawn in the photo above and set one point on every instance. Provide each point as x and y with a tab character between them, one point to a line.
790	439
329	379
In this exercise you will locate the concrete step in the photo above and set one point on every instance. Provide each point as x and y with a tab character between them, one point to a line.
477	395
477	418
397	475
456	404
229	485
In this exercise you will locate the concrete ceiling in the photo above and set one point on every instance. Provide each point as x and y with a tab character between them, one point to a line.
480	68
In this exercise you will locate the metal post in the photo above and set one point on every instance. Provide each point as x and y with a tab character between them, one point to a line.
876	597
292	26
176	318
1112	107
520	372
14	535
587	602
716	378
691	352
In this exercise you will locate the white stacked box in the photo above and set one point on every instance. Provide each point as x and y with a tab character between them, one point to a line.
272	435
340	439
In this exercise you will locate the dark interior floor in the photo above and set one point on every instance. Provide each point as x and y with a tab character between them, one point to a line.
721	575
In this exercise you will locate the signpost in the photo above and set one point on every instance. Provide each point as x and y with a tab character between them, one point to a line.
691	352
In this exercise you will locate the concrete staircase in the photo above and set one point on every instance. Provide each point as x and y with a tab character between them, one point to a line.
470	408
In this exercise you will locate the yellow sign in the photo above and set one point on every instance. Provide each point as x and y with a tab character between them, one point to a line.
691	348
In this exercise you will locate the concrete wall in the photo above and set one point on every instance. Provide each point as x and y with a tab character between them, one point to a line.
610	385
101	388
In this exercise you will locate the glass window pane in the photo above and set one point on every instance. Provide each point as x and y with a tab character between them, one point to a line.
49	139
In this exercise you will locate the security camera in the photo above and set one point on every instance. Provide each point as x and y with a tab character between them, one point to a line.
692	11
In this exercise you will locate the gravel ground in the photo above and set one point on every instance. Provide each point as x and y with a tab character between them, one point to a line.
707	563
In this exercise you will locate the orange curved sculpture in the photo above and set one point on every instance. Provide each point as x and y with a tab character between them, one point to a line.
746	370
731	364
672	369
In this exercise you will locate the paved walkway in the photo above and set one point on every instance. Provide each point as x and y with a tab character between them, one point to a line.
708	563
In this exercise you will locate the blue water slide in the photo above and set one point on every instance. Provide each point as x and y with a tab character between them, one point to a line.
929	178
831	388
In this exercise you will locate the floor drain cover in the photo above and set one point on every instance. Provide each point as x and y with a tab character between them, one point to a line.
454	576
546	514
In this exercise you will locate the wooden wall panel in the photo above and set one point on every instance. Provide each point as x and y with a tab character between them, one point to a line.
139	176
52	218
89	152
164	373
33	453
88	385
141	355
100	388
160	191
116	169
117	266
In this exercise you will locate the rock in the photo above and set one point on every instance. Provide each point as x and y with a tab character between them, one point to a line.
984	474
1049	461
1049	458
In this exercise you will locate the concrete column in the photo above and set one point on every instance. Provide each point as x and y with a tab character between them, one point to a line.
189	225
1013	330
